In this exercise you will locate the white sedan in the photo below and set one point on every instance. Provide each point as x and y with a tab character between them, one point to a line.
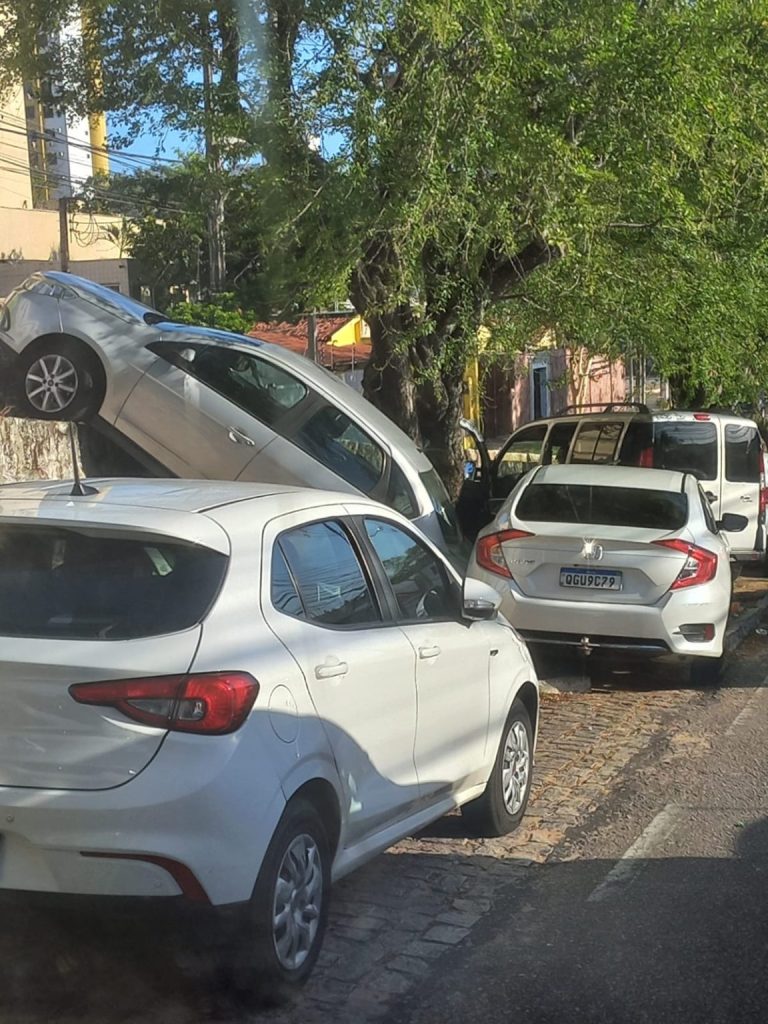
612	559
236	693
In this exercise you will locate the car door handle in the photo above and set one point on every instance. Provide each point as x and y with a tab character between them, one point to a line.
330	671
429	652
238	437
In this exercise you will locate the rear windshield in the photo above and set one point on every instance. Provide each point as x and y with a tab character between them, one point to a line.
441	503
68	584
686	447
603	506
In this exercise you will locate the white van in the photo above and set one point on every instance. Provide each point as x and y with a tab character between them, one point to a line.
725	452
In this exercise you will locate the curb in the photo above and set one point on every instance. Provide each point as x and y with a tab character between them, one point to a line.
745	624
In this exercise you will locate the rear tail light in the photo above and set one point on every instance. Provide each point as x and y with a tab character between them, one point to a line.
489	553
700	565
212	703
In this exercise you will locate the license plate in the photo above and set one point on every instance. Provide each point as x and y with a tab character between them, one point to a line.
591	579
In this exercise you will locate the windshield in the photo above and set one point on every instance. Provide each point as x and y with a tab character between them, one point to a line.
603	506
443	507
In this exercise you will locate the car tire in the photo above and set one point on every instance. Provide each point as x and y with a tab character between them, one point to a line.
267	961
60	379
707	671
493	813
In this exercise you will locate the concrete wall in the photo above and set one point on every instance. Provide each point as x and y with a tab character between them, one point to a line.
112	273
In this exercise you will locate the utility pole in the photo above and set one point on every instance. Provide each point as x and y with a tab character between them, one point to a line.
217	266
64	233
312	337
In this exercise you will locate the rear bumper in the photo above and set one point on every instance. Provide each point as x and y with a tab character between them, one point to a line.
175	830
646	630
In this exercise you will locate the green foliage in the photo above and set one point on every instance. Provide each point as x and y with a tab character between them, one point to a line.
223	313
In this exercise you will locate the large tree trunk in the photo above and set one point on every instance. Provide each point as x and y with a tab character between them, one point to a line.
440	407
388	381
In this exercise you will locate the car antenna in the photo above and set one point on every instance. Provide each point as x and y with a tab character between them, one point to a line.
79	489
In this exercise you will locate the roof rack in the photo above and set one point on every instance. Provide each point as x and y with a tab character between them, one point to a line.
604	407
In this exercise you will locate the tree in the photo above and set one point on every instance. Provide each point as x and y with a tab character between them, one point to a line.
596	165
599	166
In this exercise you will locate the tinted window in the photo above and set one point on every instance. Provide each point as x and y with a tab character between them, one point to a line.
597	442
558	443
687	447
523	453
419	580
603	506
743	454
330	436
70	584
399	494
328	575
443	506
261	389
283	592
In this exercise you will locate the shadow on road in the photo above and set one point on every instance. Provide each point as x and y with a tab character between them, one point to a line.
686	942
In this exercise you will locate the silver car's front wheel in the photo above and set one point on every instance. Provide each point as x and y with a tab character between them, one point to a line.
60	379
50	384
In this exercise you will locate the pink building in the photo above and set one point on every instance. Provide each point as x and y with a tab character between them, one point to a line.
543	382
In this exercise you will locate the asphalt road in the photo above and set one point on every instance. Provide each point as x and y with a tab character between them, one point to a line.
657	911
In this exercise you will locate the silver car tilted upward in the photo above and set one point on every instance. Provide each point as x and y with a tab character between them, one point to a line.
204	403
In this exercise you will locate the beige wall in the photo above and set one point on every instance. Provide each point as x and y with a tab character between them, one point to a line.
15	183
34	235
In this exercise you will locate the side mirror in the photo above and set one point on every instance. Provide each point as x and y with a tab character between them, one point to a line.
480	600
732	523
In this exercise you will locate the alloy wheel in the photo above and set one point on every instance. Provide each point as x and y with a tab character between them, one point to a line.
515	767
297	902
51	383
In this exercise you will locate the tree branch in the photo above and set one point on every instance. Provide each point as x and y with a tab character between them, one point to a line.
501	272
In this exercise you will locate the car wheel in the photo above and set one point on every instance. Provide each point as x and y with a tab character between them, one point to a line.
60	380
280	941
503	803
707	671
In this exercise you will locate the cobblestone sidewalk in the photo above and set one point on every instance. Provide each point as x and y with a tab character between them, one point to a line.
394	918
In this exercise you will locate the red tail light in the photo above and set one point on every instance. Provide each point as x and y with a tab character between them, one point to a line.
490	555
646	458
700	565
211	703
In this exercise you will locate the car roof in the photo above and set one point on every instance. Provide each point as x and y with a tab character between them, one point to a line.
90	289
635	477
184	509
694	416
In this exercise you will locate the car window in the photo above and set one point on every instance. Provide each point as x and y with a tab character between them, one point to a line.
330	580
597	442
603	506
283	592
443	507
686	446
400	497
420	582
255	385
335	440
709	516
523	453
743	454
558	443
67	584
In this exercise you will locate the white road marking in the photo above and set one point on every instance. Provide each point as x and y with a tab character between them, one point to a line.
748	711
625	871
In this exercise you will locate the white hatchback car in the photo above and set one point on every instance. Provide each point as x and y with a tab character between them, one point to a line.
237	693
614	559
